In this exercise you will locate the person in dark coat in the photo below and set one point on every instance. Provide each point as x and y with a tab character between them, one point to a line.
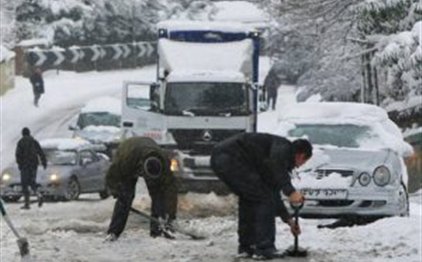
28	154
141	156
271	84
37	85
256	167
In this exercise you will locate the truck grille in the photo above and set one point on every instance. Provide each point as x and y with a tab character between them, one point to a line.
201	141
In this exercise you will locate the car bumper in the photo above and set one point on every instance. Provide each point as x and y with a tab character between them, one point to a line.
358	203
50	189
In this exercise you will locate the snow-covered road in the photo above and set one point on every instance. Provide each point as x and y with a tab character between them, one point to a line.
74	231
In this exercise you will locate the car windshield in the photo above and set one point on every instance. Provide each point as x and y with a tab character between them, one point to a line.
346	135
98	119
206	99
60	157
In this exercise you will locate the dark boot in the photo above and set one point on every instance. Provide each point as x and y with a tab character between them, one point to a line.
26	202
40	199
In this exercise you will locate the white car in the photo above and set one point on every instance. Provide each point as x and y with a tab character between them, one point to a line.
99	122
357	168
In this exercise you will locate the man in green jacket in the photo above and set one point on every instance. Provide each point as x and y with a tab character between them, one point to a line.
141	156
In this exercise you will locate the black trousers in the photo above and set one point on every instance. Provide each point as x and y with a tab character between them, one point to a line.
272	100
28	180
256	225
163	203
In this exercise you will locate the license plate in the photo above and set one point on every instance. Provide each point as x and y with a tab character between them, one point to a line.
311	193
202	161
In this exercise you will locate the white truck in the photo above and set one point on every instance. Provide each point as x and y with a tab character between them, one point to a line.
206	91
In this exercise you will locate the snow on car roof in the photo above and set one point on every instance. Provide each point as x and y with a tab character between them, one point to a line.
64	143
188	25
326	111
206	76
231	56
103	104
337	113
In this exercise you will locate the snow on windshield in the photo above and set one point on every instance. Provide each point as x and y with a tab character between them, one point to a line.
63	143
233	56
344	125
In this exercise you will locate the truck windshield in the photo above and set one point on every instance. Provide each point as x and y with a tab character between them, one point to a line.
206	99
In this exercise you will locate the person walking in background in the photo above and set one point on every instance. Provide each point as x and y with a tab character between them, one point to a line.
37	84
141	156
28	154
256	166
271	84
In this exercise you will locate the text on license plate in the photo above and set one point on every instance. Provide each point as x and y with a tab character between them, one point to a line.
311	193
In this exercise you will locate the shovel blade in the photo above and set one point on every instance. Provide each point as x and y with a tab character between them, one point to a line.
23	246
299	252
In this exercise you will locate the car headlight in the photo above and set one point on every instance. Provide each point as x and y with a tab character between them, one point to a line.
364	179
6	177
54	177
382	176
174	165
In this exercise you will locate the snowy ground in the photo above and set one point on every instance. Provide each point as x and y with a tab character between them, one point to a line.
74	231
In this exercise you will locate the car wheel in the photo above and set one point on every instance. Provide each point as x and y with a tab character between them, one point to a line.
11	199
104	194
73	189
404	201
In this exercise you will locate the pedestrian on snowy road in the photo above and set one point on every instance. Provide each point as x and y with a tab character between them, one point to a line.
256	167
28	154
271	84
141	156
37	84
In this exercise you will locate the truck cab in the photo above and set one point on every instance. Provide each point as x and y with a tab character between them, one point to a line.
205	92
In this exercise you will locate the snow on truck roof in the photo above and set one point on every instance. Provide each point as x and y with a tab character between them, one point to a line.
206	76
184	56
103	104
178	25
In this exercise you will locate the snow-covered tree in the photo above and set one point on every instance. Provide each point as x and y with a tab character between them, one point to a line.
85	22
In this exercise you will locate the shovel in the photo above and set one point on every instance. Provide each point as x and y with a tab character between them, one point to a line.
22	242
295	251
193	235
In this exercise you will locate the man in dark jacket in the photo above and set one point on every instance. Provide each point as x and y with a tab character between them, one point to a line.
256	167
28	153
37	85
141	156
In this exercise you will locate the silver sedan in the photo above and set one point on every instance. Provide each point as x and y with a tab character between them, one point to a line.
357	168
74	167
